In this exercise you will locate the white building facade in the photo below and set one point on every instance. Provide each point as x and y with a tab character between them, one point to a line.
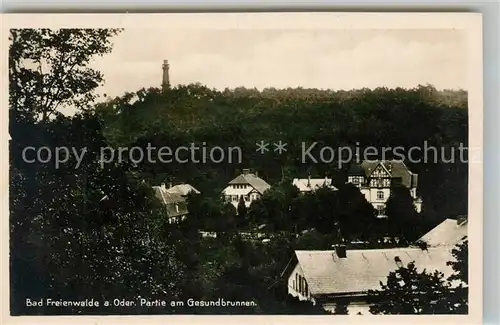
306	185
247	186
376	178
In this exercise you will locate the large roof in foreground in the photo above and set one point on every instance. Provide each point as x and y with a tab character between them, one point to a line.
363	270
450	232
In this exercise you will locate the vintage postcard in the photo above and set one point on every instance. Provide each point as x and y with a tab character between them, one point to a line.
172	167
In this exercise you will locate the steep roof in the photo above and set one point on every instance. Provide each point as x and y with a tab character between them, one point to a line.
363	270
251	179
450	232
175	204
312	184
183	189
395	168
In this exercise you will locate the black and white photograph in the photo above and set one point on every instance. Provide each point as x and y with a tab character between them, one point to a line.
264	164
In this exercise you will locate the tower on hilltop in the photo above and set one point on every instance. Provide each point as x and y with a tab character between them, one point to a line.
166	78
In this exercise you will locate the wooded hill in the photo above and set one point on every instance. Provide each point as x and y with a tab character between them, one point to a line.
242	117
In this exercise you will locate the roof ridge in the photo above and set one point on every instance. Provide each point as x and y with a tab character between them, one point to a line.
381	250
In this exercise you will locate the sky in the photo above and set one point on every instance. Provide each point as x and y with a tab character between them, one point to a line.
335	59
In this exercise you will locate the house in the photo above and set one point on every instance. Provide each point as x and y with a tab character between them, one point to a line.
375	179
247	185
175	204
183	189
306	185
329	277
448	233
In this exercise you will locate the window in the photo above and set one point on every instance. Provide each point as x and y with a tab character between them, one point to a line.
247	198
296	281
380	195
380	209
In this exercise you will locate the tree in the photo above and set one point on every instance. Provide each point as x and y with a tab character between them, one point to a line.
89	231
402	216
227	223
461	276
356	215
460	265
242	209
257	212
408	291
49	68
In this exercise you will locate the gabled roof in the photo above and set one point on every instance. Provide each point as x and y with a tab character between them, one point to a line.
395	169
251	179
362	270
450	232
183	189
312	184
175	204
166	197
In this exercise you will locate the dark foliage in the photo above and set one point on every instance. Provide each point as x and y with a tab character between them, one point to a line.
93	230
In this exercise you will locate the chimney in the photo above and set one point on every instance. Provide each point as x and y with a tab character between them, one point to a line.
256	174
162	186
308	180
246	171
170	185
398	261
166	78
341	251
